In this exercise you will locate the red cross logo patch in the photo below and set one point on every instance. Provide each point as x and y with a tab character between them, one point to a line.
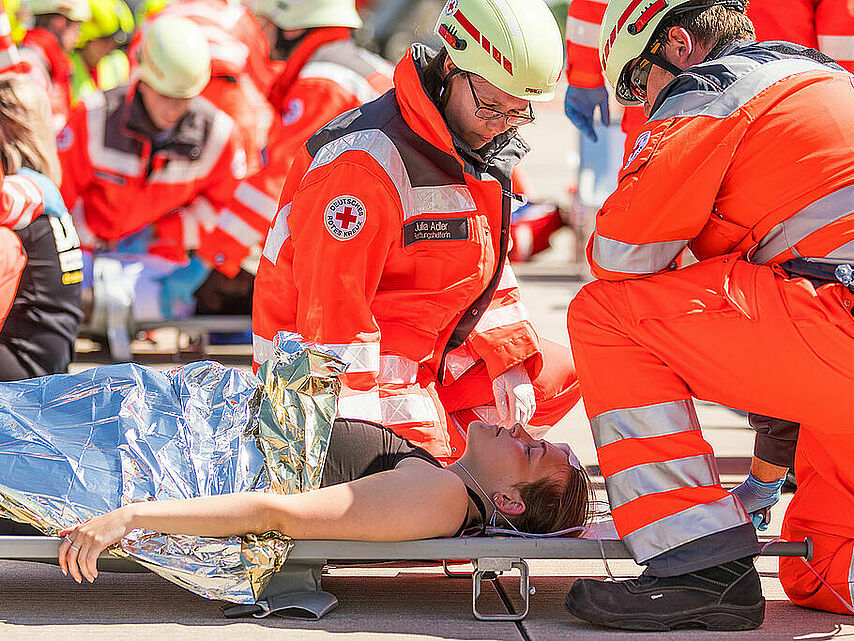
344	217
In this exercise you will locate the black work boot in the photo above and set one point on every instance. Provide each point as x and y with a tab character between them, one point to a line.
723	597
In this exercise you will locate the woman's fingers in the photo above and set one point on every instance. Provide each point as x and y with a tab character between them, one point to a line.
71	562
64	547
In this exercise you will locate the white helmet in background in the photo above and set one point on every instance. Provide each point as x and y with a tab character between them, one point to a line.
74	10
515	45
175	58
308	14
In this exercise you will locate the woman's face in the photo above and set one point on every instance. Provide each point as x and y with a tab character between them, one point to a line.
505	457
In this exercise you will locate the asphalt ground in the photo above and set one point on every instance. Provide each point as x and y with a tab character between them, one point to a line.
402	602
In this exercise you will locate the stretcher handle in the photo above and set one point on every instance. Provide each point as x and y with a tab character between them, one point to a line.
803	549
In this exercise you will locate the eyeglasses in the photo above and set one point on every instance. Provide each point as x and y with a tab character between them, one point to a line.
639	73
488	113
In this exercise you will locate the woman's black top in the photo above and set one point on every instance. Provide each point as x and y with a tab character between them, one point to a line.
359	448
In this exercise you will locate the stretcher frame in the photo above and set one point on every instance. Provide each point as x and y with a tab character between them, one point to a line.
296	590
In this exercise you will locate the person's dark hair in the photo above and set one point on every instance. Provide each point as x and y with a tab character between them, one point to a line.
554	504
717	25
433	75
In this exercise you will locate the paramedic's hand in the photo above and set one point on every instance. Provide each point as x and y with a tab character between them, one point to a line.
757	497
580	107
53	203
514	396
83	543
177	288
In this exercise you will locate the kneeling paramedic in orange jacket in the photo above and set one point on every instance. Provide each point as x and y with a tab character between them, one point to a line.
391	240
747	160
154	158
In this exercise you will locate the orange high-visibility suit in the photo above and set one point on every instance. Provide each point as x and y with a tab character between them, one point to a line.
117	178
50	68
241	69
583	68
826	25
747	161
390	249
326	75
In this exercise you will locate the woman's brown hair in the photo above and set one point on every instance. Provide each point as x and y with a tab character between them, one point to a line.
554	504
26	134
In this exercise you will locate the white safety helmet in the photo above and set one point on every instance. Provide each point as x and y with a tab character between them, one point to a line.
175	58
309	14
515	45
627	29
74	10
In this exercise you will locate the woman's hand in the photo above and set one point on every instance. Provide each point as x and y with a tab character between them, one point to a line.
83	543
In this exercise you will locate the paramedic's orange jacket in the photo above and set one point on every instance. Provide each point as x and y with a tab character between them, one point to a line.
115	182
326	75
391	249
718	167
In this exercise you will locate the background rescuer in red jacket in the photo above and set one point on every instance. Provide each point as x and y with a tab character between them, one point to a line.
391	240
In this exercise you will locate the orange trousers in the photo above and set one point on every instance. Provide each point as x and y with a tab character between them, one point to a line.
727	331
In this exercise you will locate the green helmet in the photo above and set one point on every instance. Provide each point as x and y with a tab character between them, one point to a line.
513	44
109	18
627	29
175	58
308	14
75	10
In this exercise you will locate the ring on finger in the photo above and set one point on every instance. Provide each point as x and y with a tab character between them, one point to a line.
74	547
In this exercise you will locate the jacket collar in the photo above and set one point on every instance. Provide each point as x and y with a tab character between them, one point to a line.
313	41
186	139
423	116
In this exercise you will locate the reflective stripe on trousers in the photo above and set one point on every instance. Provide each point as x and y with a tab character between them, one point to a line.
661	478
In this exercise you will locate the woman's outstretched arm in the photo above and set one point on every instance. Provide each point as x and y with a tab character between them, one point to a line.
413	501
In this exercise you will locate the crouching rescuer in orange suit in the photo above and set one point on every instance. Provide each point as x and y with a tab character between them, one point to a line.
390	244
746	159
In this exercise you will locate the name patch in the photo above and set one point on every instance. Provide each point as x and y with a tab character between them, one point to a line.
436	229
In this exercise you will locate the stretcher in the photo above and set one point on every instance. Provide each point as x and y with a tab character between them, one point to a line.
296	589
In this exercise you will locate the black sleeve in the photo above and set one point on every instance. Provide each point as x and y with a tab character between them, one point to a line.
776	439
360	448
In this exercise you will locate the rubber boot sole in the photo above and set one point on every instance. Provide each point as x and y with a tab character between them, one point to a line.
713	617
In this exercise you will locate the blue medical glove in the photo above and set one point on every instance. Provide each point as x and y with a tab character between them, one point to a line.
580	107
757	496
53	204
178	287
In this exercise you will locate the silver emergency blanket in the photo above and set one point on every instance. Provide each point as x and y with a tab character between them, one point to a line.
76	446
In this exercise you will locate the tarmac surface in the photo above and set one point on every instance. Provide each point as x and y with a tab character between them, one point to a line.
404	602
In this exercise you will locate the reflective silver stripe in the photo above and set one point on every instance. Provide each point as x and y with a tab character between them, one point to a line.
651	478
644	422
837	47
809	220
26	197
340	75
508	278
851	580
178	170
457	362
755	78
239	229
120	162
363	406
256	200
648	258
408	408
397	370
579	32
262	349
277	235
501	317
449	199
359	357
685	526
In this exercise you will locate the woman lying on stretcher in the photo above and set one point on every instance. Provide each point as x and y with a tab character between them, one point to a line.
376	487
